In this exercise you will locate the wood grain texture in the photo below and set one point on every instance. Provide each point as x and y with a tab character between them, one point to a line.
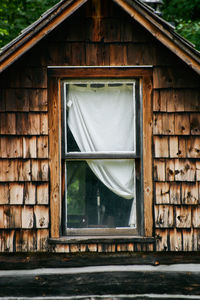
41	216
54	155
159	170
183	217
164	216
147	155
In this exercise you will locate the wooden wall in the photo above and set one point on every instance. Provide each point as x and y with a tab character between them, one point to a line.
98	36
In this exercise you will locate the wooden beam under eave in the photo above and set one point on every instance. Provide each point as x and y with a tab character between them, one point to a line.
29	43
162	35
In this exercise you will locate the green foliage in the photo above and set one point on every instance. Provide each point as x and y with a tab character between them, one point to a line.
185	15
16	15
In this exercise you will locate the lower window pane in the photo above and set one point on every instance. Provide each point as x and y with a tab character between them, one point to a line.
98	195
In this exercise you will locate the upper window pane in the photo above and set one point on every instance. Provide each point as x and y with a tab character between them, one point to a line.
100	116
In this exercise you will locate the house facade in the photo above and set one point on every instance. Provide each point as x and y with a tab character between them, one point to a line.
104	45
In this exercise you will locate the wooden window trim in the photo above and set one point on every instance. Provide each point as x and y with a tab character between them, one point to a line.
55	75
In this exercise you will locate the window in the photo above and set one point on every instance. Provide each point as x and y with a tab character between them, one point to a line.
102	156
66	157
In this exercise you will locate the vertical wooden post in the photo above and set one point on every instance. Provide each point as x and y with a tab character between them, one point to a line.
54	101
147	155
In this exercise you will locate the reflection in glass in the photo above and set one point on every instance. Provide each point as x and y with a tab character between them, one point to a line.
90	204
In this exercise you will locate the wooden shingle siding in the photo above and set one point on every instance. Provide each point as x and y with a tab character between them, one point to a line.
98	36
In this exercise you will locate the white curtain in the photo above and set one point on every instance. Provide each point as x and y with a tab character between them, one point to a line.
103	119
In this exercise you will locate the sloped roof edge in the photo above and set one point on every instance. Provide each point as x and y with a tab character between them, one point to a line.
141	12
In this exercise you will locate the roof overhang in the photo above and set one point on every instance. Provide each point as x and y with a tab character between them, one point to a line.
139	11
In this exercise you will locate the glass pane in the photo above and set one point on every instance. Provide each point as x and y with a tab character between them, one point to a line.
91	204
100	116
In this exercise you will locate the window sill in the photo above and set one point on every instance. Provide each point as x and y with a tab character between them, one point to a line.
100	239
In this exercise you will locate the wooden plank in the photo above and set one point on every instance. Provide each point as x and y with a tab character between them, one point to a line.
175	237
24	170
96	54
161	239
190	194
41	215
140	54
161	147
111	30
198	170
27	217
78	54
147	155
34	123
195	217
12	216
164	216
192	100
182	124
102	72
175	193
8	238
182	100
29	193
44	123
188	240
175	100
173	146
7	123
163	123
168	124
185	170
43	193
42	236
118	55
54	154
26	77
30	261
4	193
14	170
193	147
182	146
16	192
159	170
159	101
157	124
170	170
10	147
162	193
40	170
1	221
17	99
29	147
2	101
42	147
38	100
195	123
22	123
8	170
174	77
25	241
183	217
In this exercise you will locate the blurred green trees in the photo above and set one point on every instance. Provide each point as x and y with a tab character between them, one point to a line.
185	15
16	15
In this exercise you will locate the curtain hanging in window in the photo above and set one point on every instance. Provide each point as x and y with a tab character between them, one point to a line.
103	119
